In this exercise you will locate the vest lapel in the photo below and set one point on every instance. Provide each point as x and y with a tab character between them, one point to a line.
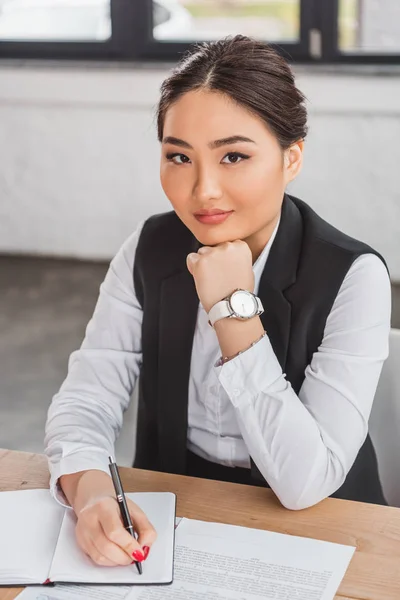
278	275
276	319
178	315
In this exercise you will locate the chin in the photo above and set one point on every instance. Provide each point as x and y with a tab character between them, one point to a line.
213	235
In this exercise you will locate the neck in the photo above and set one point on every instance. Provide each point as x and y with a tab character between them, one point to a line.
258	240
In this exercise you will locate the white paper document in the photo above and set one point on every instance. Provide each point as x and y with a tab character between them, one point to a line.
223	562
214	561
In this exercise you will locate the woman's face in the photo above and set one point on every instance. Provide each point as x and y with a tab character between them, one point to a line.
217	156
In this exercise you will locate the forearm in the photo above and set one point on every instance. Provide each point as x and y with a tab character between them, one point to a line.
304	452
80	431
236	336
285	442
86	415
280	434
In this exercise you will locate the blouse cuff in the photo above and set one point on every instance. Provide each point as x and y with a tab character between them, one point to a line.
73	463
250	373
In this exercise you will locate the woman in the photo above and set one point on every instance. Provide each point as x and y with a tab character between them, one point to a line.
269	385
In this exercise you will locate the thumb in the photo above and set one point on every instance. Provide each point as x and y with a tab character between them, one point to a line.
191	261
145	530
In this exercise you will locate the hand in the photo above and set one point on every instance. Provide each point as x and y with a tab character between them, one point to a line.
101	534
219	270
99	530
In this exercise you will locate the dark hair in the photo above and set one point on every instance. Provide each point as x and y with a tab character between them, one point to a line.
251	73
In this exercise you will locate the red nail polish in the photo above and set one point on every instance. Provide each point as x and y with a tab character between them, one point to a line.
138	555
146	551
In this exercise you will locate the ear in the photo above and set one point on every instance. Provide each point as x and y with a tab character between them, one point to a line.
293	160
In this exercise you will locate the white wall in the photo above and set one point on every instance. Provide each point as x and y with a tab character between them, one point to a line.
79	157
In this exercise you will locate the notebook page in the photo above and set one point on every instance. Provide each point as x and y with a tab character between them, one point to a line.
213	560
70	564
30	522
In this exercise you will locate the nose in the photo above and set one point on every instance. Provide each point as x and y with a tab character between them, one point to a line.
207	186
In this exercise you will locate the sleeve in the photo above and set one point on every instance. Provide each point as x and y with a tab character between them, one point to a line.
86	415
305	445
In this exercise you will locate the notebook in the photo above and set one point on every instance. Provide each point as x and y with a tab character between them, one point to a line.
37	542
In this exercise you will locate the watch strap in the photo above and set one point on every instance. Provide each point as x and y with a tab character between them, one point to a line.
220	310
259	306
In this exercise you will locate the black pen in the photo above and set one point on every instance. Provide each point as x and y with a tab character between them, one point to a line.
119	492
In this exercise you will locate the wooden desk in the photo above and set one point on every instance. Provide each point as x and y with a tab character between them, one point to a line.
374	572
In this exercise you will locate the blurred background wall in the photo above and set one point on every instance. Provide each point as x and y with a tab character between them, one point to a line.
79	157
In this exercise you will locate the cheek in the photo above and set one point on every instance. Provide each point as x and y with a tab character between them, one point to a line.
251	187
175	185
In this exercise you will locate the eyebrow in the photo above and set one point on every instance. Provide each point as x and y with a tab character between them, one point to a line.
233	139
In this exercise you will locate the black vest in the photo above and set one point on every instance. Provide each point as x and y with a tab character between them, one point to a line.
302	276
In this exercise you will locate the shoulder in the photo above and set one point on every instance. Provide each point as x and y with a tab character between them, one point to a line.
319	232
368	268
330	252
124	259
364	298
368	281
161	225
164	243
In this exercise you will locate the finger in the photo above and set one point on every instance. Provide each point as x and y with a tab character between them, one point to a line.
89	548
114	530
99	558
146	532
111	551
191	261
204	250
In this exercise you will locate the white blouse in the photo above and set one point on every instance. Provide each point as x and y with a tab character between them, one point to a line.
303	445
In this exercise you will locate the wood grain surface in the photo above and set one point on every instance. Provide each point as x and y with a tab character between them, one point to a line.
374	572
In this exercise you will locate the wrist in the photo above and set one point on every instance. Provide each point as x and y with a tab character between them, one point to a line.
84	488
241	304
224	359
236	336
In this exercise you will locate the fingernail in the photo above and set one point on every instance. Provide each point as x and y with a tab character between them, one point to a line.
146	551
138	555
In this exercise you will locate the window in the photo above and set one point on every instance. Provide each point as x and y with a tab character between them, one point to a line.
161	15
190	20
303	30
281	22
55	20
366	31
83	29
369	26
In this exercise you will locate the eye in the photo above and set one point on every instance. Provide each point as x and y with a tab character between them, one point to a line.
234	158
174	156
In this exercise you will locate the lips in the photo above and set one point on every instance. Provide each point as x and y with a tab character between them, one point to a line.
209	213
212	217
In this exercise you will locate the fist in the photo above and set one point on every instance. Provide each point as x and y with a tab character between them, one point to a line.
101	535
219	270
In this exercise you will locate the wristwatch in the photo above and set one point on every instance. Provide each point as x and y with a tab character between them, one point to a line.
241	304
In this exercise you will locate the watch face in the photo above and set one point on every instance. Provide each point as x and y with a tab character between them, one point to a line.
243	304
